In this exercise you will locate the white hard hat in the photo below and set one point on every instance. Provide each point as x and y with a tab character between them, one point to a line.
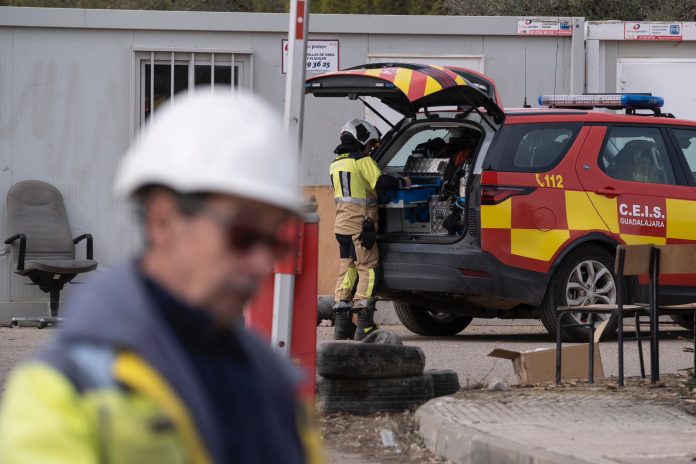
227	143
361	130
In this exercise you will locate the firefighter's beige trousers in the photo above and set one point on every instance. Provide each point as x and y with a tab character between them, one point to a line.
357	264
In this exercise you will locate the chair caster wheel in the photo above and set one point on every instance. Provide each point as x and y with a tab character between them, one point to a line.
42	325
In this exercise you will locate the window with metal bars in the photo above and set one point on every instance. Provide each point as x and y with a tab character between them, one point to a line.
163	74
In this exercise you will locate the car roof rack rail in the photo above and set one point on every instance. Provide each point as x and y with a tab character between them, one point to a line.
630	102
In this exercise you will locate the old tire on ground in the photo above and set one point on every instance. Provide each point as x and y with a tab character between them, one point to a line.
383	337
422	321
364	396
369	360
445	382
588	265
325	309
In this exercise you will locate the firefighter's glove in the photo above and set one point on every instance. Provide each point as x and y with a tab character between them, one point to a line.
391	182
367	236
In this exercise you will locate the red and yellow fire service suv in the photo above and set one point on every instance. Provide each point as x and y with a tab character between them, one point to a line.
513	213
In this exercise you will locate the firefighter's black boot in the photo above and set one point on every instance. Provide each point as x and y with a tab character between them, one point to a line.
344	329
366	322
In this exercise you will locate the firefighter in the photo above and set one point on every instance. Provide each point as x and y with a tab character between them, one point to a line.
355	178
153	363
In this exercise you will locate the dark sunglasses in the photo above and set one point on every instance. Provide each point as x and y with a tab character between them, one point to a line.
243	238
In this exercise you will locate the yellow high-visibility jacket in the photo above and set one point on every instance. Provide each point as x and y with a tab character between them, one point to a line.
353	178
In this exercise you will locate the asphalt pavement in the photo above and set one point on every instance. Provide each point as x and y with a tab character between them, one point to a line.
466	353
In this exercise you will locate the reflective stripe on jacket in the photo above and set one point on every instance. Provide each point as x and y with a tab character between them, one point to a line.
353	177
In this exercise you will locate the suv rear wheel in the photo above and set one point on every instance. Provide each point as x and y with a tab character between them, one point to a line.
423	321
584	277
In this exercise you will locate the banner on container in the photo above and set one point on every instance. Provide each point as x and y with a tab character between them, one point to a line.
653	31
544	26
322	56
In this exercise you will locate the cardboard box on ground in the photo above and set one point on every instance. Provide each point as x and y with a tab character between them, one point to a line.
539	365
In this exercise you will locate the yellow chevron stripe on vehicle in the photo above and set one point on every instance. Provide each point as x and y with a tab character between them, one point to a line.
431	86
373	72
457	78
402	79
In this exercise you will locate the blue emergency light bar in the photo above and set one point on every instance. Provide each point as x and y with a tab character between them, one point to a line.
616	101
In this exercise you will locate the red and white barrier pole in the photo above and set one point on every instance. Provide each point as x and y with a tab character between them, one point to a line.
286	308
303	266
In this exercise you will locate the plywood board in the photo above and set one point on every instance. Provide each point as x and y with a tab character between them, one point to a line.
328	248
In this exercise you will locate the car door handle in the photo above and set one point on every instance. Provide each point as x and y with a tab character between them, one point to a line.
608	192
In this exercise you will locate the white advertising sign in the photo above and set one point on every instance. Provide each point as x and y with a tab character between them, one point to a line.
322	56
653	31
544	26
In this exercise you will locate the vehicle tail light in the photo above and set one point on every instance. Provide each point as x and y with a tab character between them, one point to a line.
494	194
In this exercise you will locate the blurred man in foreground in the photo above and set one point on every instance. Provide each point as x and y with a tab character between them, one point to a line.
153	363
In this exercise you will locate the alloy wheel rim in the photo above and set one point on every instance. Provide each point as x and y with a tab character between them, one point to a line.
590	282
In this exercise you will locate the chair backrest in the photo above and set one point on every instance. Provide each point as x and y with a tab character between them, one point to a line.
36	209
636	259
677	259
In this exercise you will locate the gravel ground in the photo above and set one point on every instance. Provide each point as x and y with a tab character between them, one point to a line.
356	439
16	345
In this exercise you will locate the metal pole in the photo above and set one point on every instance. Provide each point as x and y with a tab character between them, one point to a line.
294	110
590	366
620	312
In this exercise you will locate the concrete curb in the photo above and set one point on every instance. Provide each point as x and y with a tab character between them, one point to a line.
464	444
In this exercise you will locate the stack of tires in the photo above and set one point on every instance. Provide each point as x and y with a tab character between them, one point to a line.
378	375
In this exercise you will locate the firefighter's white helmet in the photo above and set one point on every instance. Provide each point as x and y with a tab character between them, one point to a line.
232	144
361	130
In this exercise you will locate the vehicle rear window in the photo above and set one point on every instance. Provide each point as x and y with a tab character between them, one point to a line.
533	147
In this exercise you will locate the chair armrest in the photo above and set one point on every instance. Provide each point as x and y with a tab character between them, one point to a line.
22	248
90	244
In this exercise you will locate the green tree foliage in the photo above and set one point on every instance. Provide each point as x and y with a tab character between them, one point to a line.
593	10
393	7
630	10
390	7
180	5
